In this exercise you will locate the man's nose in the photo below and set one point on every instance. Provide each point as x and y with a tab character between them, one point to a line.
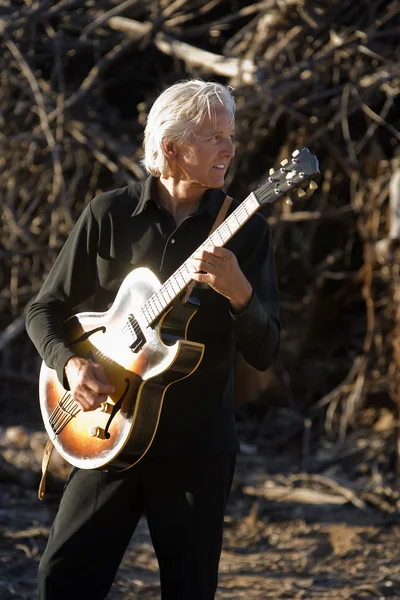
229	148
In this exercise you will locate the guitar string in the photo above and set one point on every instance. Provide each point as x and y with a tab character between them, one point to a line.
67	417
67	407
61	415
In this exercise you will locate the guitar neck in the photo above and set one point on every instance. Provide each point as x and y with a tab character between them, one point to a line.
180	279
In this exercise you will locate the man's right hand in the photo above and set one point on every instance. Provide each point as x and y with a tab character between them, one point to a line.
88	383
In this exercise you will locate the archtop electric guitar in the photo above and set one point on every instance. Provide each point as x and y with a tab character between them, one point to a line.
141	344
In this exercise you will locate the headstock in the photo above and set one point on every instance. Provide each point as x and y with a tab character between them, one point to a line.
296	173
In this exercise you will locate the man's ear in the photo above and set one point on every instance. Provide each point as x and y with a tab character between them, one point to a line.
169	149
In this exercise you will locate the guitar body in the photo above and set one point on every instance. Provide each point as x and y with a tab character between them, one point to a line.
140	361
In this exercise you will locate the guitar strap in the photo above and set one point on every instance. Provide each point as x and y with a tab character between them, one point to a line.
48	450
220	217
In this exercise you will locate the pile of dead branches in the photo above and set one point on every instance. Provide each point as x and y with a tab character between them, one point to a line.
76	80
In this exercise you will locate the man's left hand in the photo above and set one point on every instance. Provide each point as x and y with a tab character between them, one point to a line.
220	269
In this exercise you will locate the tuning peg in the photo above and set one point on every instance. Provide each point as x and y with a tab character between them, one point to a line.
301	193
313	186
288	201
284	162
295	153
271	171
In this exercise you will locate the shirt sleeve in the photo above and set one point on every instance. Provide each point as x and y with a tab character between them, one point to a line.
70	281
258	327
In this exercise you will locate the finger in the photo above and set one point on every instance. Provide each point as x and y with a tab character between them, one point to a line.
205	269
219	252
101	376
204	255
204	263
88	400
98	387
202	277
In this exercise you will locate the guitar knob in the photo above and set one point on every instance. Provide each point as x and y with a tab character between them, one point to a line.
105	407
97	432
301	193
313	186
284	162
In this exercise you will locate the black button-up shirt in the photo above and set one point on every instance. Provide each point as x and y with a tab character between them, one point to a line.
128	228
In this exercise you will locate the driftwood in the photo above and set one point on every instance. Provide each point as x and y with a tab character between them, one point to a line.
216	64
77	80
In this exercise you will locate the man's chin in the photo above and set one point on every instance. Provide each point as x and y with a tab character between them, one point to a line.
214	183
218	183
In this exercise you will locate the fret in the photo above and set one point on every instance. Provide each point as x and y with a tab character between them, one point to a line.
218	233
147	314
235	216
244	207
228	226
174	285
242	215
158	301
151	307
222	234
179	275
147	318
240	218
253	202
211	240
171	288
167	294
225	233
153	303
186	266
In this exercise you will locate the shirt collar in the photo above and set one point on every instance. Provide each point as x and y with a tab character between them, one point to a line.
211	202
147	193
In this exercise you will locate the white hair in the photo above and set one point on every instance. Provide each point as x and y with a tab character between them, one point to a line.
176	114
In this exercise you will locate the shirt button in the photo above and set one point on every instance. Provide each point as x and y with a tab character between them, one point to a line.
172	241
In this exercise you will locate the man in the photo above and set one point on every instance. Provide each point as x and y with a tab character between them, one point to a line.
183	482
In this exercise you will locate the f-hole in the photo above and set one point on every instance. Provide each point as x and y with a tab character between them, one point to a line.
117	407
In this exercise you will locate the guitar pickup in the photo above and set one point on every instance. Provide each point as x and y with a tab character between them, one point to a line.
134	334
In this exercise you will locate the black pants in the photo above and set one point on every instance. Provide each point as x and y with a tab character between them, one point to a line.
184	500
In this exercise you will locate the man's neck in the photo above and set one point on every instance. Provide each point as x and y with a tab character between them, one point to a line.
179	198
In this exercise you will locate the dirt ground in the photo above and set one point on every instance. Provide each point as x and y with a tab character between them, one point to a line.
288	534
279	548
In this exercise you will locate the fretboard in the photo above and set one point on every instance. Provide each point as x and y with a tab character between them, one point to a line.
180	279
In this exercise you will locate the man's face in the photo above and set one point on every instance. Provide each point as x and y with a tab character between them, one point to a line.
204	160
